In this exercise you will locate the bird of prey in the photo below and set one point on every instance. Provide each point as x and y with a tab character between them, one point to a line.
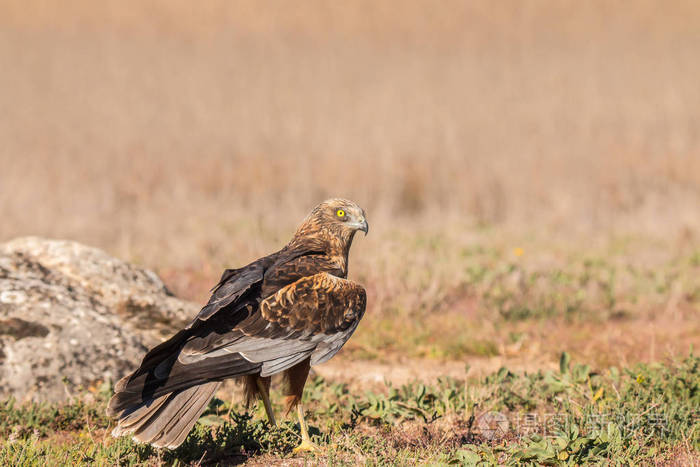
281	313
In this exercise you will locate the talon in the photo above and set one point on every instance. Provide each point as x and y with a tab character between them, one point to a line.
306	446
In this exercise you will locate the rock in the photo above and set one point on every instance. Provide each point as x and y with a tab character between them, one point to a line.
71	316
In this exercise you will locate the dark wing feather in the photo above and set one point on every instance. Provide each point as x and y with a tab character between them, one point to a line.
272	272
312	317
233	285
227	274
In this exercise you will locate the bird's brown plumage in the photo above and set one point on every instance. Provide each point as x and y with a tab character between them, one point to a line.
281	313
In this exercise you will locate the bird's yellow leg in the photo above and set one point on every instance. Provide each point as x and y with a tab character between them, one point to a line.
306	444
266	400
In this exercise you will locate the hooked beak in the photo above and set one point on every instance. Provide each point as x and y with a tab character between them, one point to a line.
364	226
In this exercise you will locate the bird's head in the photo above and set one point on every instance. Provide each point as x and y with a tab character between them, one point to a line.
342	214
339	217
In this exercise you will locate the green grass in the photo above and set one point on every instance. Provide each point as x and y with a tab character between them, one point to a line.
577	287
642	414
549	294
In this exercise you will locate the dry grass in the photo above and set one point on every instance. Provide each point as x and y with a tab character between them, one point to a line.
191	138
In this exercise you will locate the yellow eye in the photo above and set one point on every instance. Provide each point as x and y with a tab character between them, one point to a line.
340	213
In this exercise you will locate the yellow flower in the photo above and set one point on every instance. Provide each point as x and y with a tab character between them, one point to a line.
518	251
599	393
640	378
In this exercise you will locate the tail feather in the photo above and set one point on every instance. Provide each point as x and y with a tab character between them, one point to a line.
167	420
176	433
140	387
134	417
161	401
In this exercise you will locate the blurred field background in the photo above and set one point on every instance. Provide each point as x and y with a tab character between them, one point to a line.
531	170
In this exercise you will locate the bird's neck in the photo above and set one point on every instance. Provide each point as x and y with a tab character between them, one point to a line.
333	243
338	250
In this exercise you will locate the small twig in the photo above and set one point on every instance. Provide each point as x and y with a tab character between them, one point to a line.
202	458
107	431
647	410
87	422
616	391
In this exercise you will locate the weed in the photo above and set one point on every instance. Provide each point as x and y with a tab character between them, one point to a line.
571	416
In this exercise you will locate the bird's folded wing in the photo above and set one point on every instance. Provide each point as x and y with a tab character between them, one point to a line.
312	317
233	284
237	287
